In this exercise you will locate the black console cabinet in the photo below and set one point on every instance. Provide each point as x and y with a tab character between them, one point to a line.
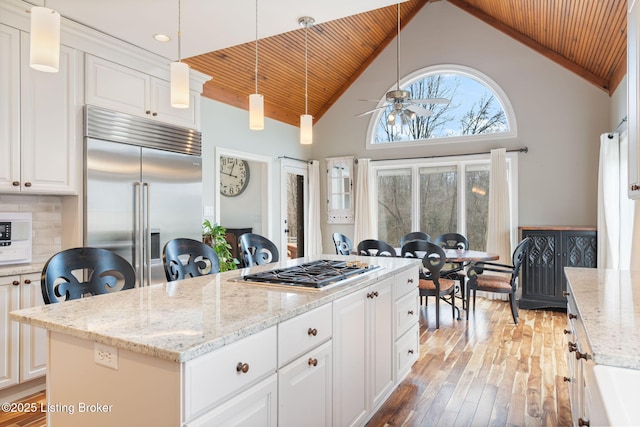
553	248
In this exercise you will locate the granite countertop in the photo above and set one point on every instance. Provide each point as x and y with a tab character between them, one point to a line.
181	320
608	302
16	269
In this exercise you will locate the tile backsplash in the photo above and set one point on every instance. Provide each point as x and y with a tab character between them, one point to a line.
47	221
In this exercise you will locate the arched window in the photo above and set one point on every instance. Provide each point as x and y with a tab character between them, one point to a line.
478	109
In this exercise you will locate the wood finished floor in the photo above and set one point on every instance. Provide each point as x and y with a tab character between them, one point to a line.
482	372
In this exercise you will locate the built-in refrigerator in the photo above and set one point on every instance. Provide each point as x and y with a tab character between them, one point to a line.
143	187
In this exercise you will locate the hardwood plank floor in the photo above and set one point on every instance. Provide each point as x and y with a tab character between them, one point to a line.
485	371
482	372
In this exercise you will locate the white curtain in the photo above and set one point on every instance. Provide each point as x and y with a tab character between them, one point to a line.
500	226
314	234
618	216
365	214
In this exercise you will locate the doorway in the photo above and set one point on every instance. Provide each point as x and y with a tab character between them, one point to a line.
294	212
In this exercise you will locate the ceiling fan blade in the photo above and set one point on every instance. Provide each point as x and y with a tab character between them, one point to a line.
371	111
431	101
420	111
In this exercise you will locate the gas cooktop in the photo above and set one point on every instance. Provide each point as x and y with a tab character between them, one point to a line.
314	274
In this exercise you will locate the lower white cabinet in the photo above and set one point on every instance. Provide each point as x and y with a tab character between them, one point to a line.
24	350
363	352
304	390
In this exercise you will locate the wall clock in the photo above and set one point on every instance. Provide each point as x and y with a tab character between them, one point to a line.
234	176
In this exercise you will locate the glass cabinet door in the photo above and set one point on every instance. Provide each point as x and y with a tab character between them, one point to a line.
340	190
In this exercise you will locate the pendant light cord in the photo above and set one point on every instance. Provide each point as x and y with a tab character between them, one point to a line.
256	46
398	52
306	73
179	30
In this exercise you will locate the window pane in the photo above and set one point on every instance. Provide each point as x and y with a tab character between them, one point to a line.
394	204
477	205
438	208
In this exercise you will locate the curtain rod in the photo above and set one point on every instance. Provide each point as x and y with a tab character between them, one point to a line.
622	123
517	150
293	158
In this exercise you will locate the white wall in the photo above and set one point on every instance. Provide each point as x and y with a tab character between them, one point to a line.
228	127
559	115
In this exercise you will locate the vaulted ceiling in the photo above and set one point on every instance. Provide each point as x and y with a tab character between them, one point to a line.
588	37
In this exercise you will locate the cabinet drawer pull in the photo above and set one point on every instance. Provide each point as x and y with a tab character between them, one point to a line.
27	184
565	294
410	312
313	362
27	281
566	379
583	422
409	280
567	332
375	293
16	183
584	356
635	187
410	351
242	367
312	332
573	316
572	347
15	283
370	295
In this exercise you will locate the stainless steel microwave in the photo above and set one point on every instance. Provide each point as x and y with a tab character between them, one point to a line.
15	237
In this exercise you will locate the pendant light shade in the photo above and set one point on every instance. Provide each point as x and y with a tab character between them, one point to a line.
306	129
306	120
179	74
179	85
256	101
45	40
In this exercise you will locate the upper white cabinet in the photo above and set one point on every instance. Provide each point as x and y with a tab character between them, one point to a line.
340	190
633	97
41	118
124	89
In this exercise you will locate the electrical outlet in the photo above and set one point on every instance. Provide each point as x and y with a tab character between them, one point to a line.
106	355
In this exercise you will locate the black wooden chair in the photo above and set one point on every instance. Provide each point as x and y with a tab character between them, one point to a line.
78	272
478	281
432	278
455	270
342	243
373	247
257	250
414	235
184	258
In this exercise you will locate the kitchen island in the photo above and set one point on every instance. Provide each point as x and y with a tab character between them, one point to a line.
213	349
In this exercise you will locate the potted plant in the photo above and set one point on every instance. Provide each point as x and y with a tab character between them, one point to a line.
213	235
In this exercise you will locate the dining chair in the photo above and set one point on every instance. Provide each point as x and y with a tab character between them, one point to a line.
183	258
414	235
85	271
455	269
431	282
505	284
374	247
342	243
257	250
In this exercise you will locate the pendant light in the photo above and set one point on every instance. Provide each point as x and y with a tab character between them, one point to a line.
179	74
256	101
306	120
44	52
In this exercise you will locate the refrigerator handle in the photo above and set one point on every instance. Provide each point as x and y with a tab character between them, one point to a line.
137	231
147	232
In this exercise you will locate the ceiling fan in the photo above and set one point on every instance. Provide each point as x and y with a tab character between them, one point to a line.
403	106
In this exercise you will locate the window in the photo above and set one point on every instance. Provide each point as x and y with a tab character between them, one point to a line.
478	109
437	196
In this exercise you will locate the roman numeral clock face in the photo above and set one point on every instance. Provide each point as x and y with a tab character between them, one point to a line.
234	176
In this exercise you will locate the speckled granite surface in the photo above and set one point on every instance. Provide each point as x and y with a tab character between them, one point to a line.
608	303
15	269
182	320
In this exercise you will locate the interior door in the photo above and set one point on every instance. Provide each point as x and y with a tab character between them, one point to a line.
294	208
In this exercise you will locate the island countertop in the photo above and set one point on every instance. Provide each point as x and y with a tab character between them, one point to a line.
182	320
608	302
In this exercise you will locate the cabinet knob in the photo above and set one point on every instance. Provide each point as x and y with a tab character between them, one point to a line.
410	312
16	183
572	346
573	316
313	362
15	283
410	351
27	281
567	332
584	356
27	184
565	293
583	423
242	367
635	187
566	379
154	114
147	112
370	295
375	293
312	332
409	280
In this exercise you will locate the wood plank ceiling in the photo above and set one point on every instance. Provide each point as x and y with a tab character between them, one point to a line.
588	37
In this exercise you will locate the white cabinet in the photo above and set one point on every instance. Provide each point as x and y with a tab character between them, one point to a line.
405	328
24	349
340	200
116	87
363	352
633	97
41	156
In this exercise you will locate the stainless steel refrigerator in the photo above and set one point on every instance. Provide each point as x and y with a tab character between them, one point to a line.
143	187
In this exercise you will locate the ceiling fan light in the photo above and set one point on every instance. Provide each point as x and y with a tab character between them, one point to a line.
306	129
412	114
391	118
45	40
256	111
179	85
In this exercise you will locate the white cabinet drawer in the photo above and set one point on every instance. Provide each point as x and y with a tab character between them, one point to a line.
407	350
405	313
405	282
215	376
300	334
